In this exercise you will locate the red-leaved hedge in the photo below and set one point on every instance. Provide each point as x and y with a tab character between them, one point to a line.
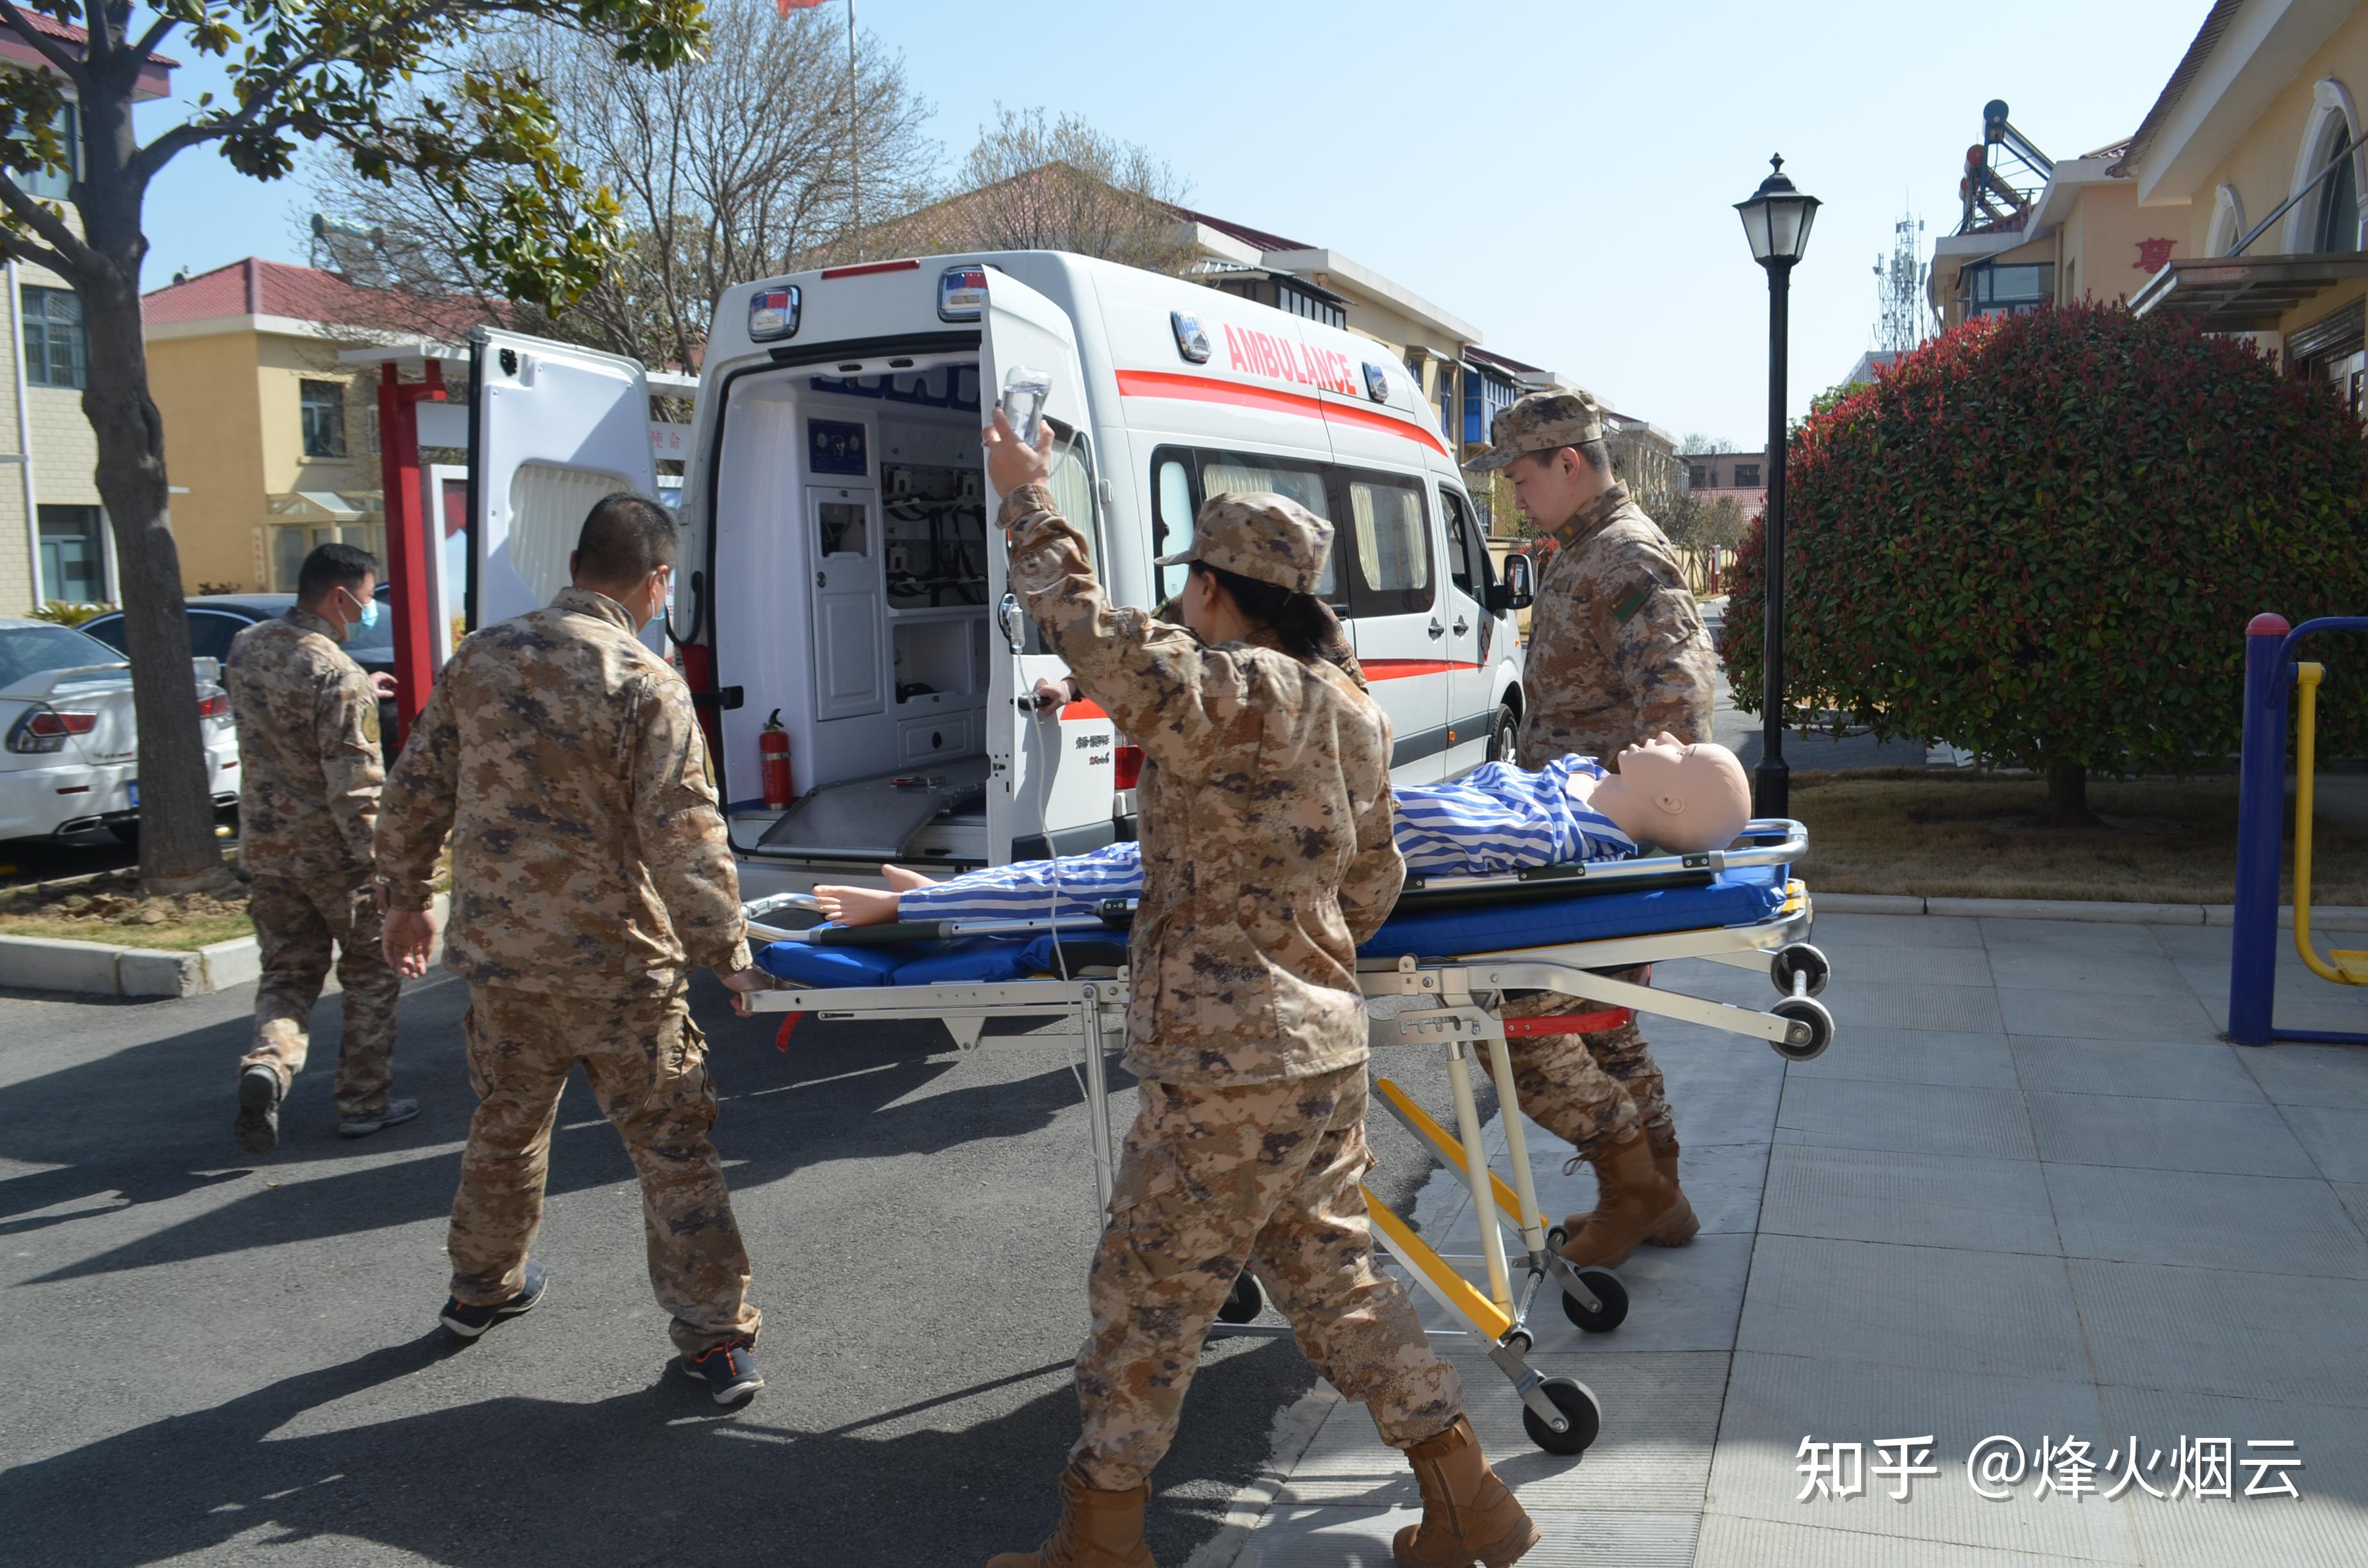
2040	537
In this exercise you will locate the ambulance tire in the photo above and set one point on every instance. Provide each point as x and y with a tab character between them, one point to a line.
1246	1301
1504	735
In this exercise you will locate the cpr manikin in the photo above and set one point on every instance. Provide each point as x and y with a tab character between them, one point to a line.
1666	793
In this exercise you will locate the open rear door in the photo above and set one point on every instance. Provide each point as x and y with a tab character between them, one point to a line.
555	427
1049	788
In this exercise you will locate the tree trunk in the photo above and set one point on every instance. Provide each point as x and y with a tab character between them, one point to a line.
177	849
2067	795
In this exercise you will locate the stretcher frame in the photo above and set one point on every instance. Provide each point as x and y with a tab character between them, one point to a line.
1560	1414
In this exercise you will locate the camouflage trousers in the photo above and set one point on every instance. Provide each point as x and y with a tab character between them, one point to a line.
297	921
1265	1174
1592	1089
647	1063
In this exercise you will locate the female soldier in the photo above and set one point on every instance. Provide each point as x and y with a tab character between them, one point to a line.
1267	857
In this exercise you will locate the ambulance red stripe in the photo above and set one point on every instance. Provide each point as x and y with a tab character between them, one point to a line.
1206	388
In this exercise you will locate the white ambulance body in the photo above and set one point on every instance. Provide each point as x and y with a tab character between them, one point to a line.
841	566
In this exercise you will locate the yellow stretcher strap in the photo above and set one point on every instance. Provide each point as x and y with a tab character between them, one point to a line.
2348	968
1478	1311
1449	1149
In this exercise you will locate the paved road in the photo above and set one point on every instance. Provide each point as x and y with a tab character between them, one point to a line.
212	1360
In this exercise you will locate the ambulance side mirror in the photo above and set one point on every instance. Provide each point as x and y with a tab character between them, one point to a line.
1514	593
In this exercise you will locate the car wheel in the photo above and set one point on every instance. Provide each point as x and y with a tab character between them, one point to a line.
1504	736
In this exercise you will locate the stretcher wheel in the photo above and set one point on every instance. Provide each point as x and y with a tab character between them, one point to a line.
1247	1301
1802	1010
1799	959
1607	1290
1578	1407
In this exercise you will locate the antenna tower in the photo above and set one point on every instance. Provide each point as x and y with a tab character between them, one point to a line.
1903	317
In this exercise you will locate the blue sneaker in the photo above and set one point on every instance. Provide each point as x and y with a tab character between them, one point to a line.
468	1322
729	1370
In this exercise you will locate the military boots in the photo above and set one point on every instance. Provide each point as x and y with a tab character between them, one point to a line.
1634	1198
1674	1229
1468	1516
1096	1529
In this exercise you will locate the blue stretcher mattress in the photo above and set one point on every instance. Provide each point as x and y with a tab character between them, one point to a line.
1735	898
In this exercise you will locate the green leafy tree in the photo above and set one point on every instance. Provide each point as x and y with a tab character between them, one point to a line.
2040	537
301	70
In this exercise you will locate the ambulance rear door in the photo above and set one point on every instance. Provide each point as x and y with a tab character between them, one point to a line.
1050	788
553	428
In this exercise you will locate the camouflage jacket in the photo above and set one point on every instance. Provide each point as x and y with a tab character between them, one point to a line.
588	854
1266	819
309	767
1617	649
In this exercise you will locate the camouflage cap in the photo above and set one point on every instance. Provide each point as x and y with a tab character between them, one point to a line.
1541	421
1261	535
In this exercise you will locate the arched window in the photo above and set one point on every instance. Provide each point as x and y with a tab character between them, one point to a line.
2338	226
2327	216
2227	221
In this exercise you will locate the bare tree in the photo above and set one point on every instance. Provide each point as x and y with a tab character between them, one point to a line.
1033	182
722	167
1697	445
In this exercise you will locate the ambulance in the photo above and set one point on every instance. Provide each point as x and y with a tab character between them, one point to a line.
842	576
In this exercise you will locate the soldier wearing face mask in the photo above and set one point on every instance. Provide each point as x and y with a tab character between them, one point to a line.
308	746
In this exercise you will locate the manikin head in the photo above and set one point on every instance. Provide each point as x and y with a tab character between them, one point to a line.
1686	799
627	552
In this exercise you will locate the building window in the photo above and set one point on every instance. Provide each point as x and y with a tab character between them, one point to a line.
57	346
57	185
1747	477
2339	213
291	543
325	419
2009	290
1698	476
1300	302
74	560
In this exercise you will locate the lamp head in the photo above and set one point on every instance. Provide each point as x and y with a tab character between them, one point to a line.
1776	219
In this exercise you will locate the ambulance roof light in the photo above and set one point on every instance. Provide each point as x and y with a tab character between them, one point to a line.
1377	382
773	313
962	292
1191	341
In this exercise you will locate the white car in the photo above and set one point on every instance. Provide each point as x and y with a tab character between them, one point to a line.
69	748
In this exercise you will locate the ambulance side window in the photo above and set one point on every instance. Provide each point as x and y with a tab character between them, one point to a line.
1392	535
1171	519
1468	566
1237	473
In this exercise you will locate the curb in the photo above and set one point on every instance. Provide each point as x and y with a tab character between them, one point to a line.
2102	910
99	968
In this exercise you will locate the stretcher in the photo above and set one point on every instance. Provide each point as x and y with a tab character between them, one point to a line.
1464	946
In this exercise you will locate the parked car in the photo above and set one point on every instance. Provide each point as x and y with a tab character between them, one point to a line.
69	748
215	619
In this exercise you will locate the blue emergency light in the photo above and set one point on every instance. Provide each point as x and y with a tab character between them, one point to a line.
772	314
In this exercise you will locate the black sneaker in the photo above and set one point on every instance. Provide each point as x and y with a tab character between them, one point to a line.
396	1113
729	1370
257	1128
468	1322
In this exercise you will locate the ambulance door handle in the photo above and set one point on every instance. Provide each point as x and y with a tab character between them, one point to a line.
1437	630
1006	615
1462	626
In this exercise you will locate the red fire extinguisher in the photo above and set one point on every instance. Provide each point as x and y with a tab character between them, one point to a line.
773	763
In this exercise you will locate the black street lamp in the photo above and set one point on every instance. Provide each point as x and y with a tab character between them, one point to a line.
1776	221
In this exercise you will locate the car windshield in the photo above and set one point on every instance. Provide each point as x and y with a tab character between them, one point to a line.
36	650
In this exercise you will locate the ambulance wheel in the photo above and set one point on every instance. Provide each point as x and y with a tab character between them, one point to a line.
1578	1407
1247	1301
1504	736
1799	959
1608	1292
1802	1010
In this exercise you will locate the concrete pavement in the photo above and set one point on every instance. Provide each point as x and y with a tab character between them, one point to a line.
2028	1194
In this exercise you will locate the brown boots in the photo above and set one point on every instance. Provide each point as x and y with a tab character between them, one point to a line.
1468	1516
1679	1226
1096	1529
1637	1196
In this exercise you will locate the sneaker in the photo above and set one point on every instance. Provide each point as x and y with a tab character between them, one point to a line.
257	1128
468	1322
396	1113
729	1369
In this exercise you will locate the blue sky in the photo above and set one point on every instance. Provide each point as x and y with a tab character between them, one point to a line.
1560	175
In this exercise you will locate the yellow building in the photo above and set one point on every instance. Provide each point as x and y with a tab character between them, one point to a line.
270	443
2256	142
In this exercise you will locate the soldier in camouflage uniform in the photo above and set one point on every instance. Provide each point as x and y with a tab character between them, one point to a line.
308	801
1617	651
591	874
1268	856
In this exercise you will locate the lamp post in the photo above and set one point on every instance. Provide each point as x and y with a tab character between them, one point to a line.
1776	221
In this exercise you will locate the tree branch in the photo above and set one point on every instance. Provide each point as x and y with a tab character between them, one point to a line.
44	45
15	247
51	228
150	39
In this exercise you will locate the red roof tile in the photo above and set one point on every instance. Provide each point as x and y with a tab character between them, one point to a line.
258	288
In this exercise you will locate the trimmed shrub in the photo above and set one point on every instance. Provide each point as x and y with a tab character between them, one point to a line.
2040	537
